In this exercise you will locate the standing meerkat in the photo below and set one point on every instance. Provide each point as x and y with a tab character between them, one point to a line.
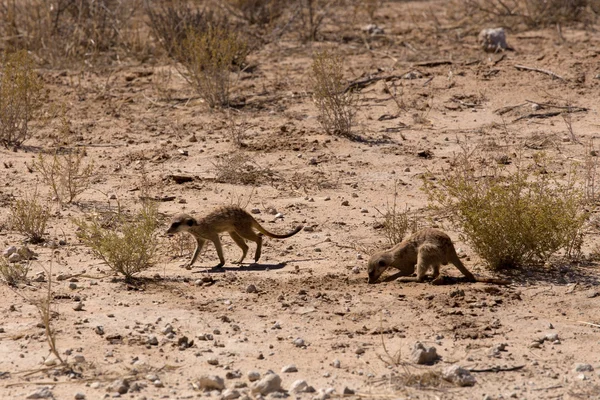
426	248
231	219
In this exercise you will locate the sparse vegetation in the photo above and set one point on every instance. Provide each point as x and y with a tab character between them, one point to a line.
30	217
208	58
396	224
258	12
126	244
534	13
66	31
66	174
511	217
337	106
20	97
13	273
238	168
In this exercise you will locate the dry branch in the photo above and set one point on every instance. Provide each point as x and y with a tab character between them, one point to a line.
543	71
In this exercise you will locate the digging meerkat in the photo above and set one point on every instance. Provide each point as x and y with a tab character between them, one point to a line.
426	248
231	219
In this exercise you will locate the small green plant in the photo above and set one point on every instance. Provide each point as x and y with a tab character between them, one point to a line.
209	58
13	273
511	218
126	245
20	98
30	217
396	223
66	173
337	106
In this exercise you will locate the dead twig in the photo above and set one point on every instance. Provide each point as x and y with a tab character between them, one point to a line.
504	110
433	63
543	71
590	324
364	82
569	108
539	115
498	369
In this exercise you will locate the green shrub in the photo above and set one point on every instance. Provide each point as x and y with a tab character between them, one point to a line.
126	245
20	97
29	217
511	218
337	106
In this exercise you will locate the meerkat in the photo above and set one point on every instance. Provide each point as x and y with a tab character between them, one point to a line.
424	249
231	219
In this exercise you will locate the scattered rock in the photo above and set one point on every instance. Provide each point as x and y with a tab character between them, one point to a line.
213	361
372	29
251	289
427	154
579	367
255	211
458	376
120	386
268	384
423	355
336	363
253	376
9	250
289	368
79	396
347	391
299	342
230	394
152	340
492	40
41	393
211	382
299	386
78	306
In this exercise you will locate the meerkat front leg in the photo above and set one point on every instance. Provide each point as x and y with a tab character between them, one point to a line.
199	245
215	239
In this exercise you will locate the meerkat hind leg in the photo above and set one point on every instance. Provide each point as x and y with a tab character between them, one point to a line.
248	234
241	243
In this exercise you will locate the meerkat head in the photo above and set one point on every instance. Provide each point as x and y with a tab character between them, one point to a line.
181	223
378	263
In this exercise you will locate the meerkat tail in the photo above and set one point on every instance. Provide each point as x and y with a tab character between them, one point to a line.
275	236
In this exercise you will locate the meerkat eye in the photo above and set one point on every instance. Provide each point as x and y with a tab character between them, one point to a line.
190	222
174	224
381	263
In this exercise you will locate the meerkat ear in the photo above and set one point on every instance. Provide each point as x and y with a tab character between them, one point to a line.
381	263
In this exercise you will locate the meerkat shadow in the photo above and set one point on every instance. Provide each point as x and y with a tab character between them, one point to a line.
442	280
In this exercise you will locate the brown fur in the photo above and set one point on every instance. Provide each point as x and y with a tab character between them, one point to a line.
426	248
231	219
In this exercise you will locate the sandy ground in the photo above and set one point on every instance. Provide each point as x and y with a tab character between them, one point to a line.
312	286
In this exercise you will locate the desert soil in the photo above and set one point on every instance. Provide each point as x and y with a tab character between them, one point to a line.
312	306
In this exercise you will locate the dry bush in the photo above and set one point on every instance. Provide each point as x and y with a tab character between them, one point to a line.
257	12
337	106
171	22
533	13
30	217
238	168
66	174
127	245
208	58
66	30
237	130
21	95
511	217
13	273
396	224
312	15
